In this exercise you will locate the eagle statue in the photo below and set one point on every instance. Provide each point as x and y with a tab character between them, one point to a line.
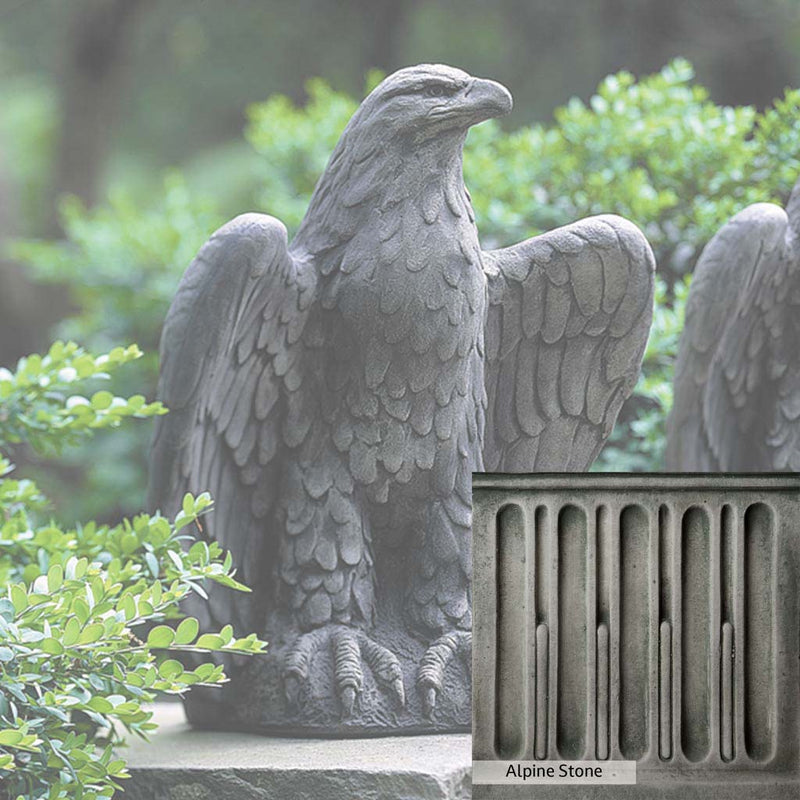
737	377
336	393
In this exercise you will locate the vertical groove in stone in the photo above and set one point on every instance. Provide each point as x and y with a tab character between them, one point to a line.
542	564
603	566
653	623
590	619
695	633
511	664
727	747
738	622
665	542
728	562
540	743
759	678
551	569
726	693
572	634
601	752
665	578
614	582
715	622
540	619
634	542
531	534
603	618
665	690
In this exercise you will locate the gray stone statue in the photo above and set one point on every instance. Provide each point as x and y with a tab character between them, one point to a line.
336	394
737	376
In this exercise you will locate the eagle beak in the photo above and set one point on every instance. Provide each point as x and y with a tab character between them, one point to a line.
486	99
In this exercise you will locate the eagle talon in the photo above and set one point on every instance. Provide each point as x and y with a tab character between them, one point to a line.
434	664
351	649
291	688
399	691
348	700
429	702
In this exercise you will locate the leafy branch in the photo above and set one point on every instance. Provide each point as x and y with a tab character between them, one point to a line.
89	615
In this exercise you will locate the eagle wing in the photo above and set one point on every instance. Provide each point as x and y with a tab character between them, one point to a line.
569	315
231	358
735	401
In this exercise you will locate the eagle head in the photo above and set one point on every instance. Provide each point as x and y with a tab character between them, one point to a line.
408	131
427	100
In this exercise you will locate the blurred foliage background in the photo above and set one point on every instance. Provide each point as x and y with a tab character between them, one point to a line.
131	128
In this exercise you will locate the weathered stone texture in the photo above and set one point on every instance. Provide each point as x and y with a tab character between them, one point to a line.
737	375
335	393
185	764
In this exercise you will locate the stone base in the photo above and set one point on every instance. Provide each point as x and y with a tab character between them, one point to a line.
181	763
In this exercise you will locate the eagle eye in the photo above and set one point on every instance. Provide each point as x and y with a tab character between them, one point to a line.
438	90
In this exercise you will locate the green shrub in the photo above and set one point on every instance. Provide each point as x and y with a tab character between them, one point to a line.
28	134
657	151
73	672
294	145
638	441
121	264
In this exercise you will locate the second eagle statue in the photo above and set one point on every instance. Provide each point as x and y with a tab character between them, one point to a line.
336	393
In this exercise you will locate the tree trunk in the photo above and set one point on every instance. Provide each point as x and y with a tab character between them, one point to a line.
18	301
91	88
386	20
96	50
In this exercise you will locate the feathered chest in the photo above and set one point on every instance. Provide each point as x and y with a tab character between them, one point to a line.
413	276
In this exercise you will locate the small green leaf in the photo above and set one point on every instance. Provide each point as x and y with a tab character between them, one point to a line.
188	504
145	609
199	552
52	646
81	610
100	704
187	631
72	630
117	769
91	633
102	400
7	611
152	563
202	501
19	597
181	520
11	737
210	641
55	578
161	636
226	634
170	669
128	607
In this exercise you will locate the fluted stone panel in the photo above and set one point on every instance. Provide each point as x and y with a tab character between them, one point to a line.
642	617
